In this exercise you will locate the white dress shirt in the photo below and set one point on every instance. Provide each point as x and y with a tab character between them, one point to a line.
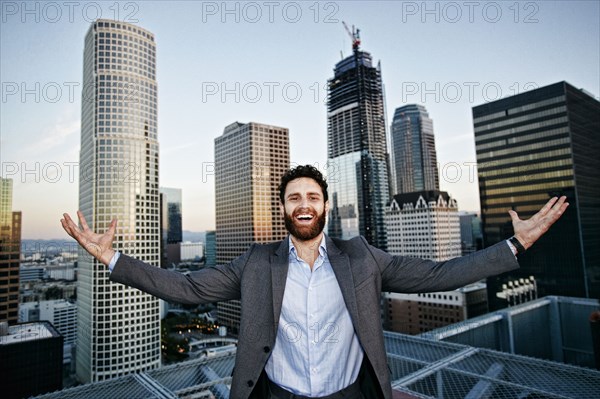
316	352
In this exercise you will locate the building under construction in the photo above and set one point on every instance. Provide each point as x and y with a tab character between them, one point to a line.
358	167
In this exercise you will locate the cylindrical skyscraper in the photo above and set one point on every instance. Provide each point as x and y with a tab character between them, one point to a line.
118	328
413	150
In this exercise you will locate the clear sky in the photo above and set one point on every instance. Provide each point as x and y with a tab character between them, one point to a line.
269	62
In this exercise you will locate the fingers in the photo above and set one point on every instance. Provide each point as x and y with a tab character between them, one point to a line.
112	228
68	224
547	207
513	215
559	208
82	221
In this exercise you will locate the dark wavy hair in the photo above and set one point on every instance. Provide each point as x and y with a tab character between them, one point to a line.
302	171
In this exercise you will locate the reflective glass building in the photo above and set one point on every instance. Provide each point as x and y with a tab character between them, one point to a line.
530	147
358	170
249	162
118	328
10	254
413	150
174	228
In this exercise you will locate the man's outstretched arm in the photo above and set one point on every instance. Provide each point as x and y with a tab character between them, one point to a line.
404	274
530	230
212	284
98	245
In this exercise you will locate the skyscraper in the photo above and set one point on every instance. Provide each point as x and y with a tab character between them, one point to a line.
413	150
358	170
530	147
10	254
210	248
172	232
470	232
249	162
118	328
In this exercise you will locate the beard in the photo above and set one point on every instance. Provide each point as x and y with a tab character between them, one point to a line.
304	232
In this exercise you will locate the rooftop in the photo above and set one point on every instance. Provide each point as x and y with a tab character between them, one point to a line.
28	332
421	366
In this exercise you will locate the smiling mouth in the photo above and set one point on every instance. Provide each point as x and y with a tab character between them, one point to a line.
304	218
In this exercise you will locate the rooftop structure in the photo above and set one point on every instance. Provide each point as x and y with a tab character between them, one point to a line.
31	358
422	366
553	328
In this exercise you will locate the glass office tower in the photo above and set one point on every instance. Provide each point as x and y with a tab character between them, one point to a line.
358	170
250	159
10	254
118	329
413	150
530	147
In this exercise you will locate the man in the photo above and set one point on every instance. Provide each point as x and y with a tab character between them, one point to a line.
310	324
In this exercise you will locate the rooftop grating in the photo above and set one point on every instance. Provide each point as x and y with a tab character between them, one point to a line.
461	371
426	366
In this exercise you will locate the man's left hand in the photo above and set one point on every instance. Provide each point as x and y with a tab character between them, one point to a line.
530	230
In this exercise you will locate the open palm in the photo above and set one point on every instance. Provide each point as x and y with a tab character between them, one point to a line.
98	245
530	230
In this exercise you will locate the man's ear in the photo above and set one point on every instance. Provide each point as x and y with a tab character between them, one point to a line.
327	206
281	209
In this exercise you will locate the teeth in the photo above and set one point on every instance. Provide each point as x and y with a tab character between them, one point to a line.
305	217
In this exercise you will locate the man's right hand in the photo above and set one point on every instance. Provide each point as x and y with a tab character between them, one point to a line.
98	245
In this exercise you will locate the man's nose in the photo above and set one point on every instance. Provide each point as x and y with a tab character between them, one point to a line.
304	202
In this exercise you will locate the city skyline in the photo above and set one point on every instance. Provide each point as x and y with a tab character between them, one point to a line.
212	62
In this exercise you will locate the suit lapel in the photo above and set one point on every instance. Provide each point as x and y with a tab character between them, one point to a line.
279	270
340	263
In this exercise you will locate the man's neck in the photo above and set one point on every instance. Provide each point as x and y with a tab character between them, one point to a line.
307	250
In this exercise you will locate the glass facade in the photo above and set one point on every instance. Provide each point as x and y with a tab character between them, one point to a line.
413	150
531	147
249	162
10	254
358	162
174	227
118	329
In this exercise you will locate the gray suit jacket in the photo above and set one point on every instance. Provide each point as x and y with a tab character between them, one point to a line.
258	278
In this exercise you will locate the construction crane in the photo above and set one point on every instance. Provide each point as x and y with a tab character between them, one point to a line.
354	35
